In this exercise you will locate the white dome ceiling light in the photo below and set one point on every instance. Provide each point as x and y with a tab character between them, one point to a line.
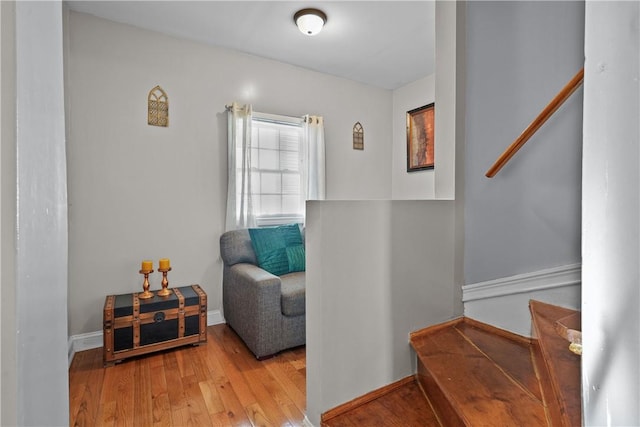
310	21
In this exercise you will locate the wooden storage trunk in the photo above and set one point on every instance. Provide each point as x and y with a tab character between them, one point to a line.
134	326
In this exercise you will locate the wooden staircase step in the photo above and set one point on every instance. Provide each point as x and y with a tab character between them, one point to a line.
401	404
475	374
570	328
560	366
516	362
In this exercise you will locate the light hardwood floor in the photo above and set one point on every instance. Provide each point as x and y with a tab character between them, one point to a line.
219	383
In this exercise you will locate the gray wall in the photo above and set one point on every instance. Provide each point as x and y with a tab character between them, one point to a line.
9	381
610	230
142	192
527	218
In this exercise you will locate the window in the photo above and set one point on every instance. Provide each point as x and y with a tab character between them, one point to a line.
276	163
276	169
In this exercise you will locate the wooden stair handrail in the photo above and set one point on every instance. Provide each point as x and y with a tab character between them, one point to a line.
548	111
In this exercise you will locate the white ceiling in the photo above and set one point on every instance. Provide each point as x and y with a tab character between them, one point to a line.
386	44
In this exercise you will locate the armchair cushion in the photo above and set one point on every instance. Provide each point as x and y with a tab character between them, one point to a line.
272	246
292	294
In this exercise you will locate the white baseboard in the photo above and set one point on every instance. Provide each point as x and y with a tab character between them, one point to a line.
557	277
83	342
91	340
504	303
214	317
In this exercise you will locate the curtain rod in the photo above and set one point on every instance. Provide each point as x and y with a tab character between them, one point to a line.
276	118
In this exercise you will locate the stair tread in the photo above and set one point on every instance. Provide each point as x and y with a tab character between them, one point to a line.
572	321
563	365
516	362
404	406
476	386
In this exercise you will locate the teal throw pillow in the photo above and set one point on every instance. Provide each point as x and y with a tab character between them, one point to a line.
296	258
278	249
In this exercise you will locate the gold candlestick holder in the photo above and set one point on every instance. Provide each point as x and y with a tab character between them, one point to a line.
145	294
165	291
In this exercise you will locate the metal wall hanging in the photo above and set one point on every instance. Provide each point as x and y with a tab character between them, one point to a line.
158	107
358	137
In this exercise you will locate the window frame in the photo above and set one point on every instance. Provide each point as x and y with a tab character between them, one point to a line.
263	220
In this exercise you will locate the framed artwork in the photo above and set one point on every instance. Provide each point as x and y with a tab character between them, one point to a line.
420	138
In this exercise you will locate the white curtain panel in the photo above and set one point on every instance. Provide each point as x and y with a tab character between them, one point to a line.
239	204
313	158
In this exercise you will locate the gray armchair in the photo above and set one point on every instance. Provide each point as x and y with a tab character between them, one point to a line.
266	311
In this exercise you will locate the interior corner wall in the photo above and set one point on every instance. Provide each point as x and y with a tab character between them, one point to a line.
144	192
446	86
527	218
460	149
439	88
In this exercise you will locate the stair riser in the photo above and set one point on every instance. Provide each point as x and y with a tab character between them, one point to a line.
554	412
554	361
439	402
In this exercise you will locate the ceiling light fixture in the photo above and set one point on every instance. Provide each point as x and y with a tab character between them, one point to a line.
310	21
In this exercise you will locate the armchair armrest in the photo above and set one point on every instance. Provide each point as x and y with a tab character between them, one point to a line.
253	281
252	305
253	273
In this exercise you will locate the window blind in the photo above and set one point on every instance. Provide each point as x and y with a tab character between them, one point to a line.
276	172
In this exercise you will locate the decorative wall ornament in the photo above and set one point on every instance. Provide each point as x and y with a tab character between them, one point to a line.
358	137
158	107
420	138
